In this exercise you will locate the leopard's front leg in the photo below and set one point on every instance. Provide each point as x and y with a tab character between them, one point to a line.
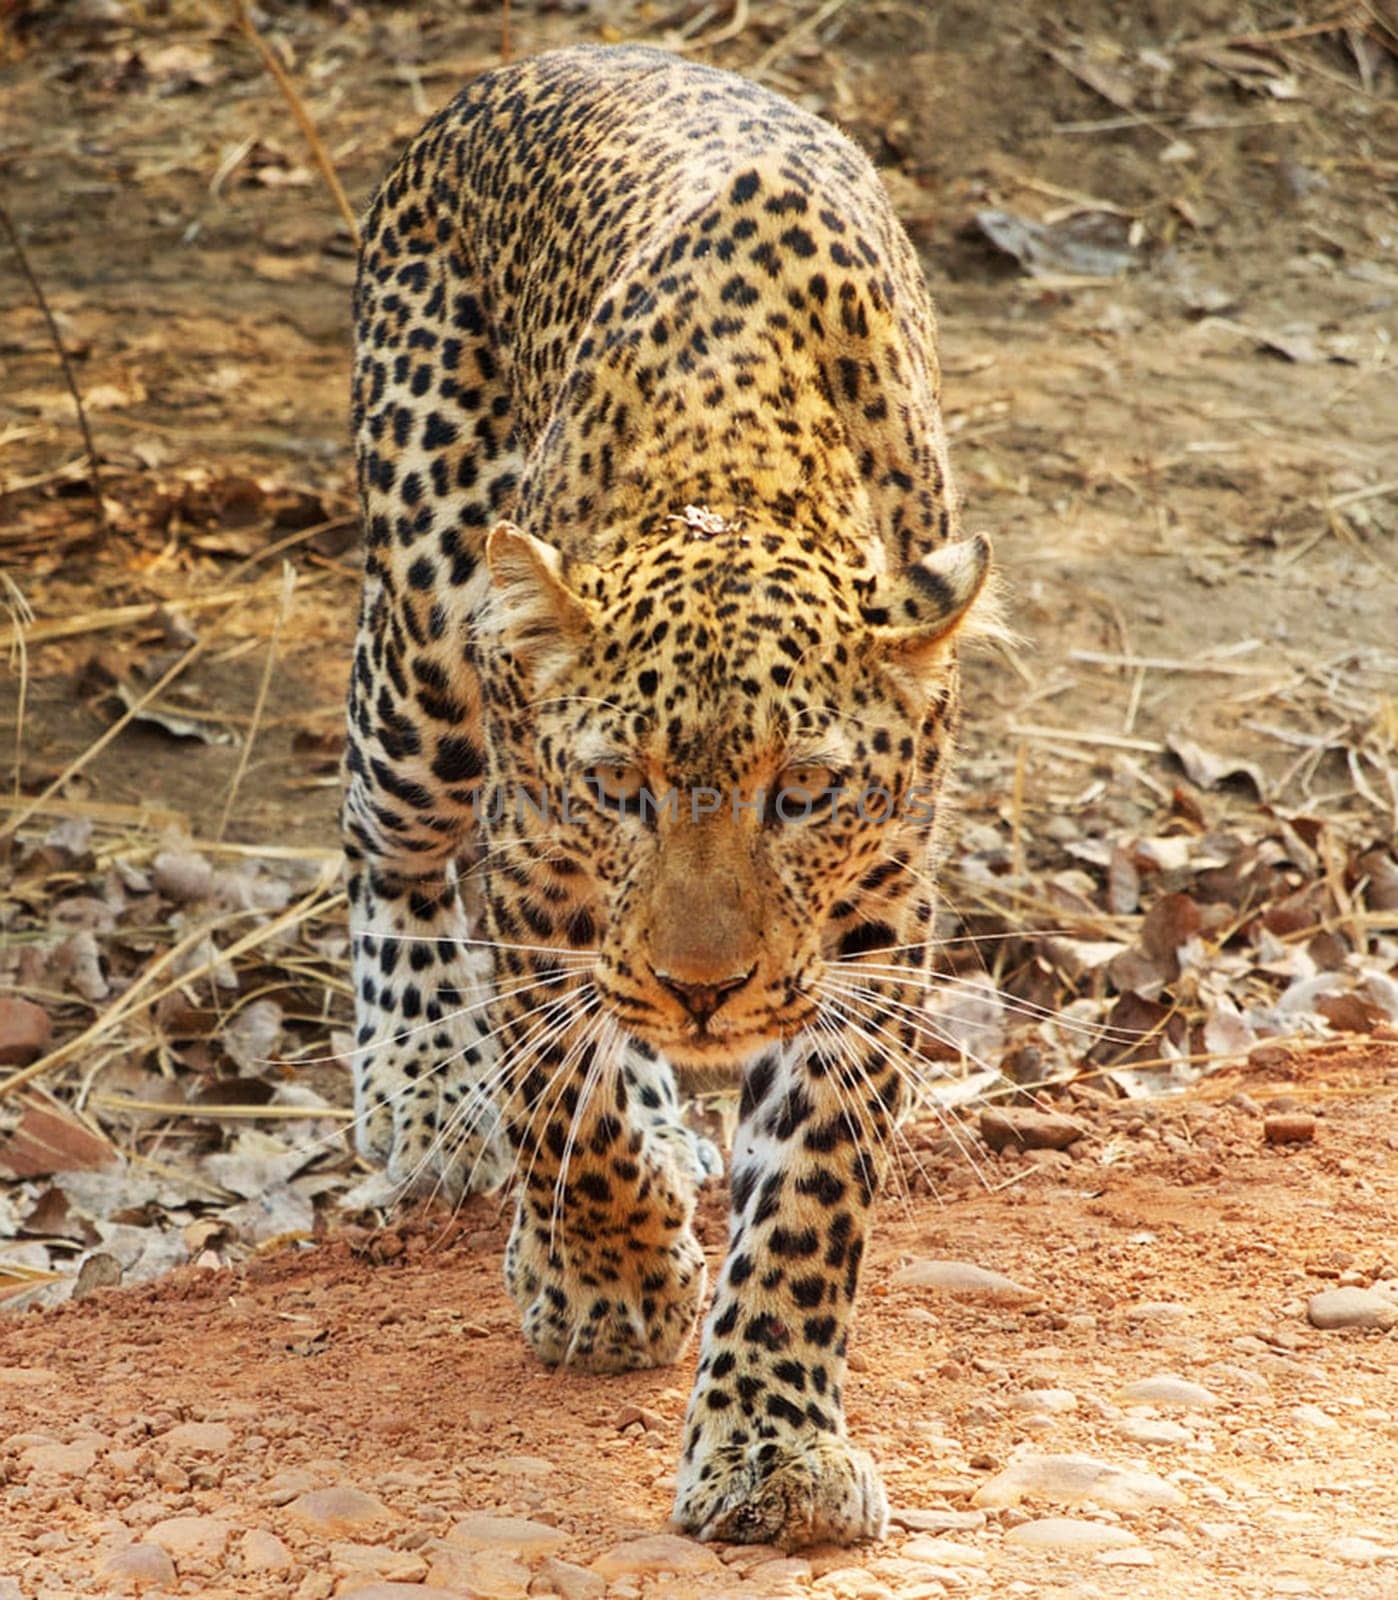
766	1458
602	1260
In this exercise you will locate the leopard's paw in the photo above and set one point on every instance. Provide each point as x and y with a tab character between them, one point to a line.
819	1490
434	1135
605	1306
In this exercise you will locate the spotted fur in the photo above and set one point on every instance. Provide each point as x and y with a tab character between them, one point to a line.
655	498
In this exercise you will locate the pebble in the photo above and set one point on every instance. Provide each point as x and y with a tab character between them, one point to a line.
656	1552
264	1552
1069	1479
59	1460
342	1509
571	1582
1018	1128
192	1538
482	1574
379	1561
1289	1127
145	1565
516	1535
1158	1311
964	1281
942	1552
917	1521
200	1438
1308	1416
1045	1402
1361	1552
1153	1431
25	1031
1069	1533
1165	1389
1352	1308
400	1591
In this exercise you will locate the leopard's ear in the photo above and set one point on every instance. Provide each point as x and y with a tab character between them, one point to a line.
914	614
538	597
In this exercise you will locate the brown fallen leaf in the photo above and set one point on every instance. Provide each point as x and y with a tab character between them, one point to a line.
47	1139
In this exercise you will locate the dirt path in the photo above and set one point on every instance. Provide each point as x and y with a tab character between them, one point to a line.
188	1431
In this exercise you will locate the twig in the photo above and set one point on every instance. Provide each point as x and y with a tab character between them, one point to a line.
1107	658
115	616
1111	741
299	112
94	473
239	1113
20	610
288	584
775	52
504	32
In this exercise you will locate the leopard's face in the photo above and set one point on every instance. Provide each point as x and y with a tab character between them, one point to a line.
712	753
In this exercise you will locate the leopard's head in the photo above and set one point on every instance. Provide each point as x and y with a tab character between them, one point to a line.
711	760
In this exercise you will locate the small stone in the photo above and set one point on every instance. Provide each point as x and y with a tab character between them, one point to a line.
1313	1418
378	1561
916	1521
517	1536
59	1460
1019	1128
341	1509
199	1438
649	1420
1153	1431
1158	1311
483	1574
1045	1402
1361	1552
1165	1389
942	1552
264	1552
571	1582
25	1031
1290	1127
284	1486
144	1565
1352	1308
962	1280
1069	1533
192	1538
1066	1480
1132	1555
656	1552
396	1591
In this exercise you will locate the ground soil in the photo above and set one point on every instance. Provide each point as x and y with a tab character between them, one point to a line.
1187	467
1179	1242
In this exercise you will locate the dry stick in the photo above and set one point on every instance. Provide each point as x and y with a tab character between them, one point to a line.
299	112
19	609
504	32
34	284
288	584
140	611
793	36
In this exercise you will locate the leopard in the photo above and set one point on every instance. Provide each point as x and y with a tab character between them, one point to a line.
654	691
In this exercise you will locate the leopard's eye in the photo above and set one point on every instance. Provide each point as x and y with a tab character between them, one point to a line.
801	791
615	785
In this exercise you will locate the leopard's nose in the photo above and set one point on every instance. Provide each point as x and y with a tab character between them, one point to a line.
701	1000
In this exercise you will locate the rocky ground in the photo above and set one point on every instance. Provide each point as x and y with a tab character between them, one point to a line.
1156	1364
